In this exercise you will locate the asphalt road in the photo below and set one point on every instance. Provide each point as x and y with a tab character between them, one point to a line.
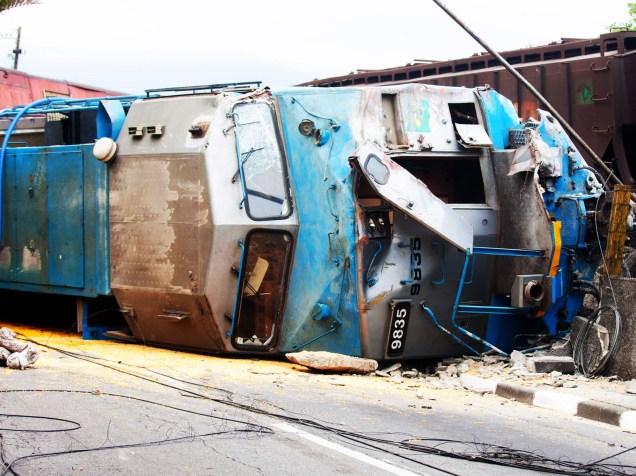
100	408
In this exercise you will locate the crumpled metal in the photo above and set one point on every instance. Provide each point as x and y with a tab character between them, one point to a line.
536	153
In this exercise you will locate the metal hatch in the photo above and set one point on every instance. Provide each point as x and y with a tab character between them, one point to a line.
473	136
410	195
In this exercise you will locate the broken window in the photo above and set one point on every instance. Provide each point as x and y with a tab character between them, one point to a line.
261	162
453	179
263	289
469	132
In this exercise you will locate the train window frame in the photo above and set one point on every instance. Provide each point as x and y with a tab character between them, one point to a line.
277	165
250	292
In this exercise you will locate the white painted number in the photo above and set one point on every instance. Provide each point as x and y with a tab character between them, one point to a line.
396	344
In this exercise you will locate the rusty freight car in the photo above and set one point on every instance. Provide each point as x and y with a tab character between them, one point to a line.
586	80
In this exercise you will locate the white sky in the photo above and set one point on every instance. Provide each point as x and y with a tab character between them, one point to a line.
133	45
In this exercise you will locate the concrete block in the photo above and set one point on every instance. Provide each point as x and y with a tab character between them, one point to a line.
515	392
600	411
333	362
547	364
561	348
476	384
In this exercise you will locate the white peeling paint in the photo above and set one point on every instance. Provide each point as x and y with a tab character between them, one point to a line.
31	260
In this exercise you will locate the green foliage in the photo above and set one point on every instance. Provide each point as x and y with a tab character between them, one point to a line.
630	24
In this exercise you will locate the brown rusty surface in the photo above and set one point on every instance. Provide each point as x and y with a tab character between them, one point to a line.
160	222
524	223
198	331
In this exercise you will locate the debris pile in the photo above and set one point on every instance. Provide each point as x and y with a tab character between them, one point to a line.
534	369
16	354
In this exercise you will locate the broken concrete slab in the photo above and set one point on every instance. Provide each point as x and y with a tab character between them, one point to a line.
518	357
17	354
21	360
333	362
547	364
392	367
477	384
562	348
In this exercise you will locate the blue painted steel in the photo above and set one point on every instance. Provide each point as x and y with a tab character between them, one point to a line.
43	106
508	252
501	115
336	321
565	200
56	216
567	203
17	115
504	310
446	331
110	119
456	307
238	288
65	257
326	240
31	232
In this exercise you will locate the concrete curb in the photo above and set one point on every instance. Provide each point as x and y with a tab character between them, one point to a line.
562	402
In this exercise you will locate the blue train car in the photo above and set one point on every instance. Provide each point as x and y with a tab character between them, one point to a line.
391	222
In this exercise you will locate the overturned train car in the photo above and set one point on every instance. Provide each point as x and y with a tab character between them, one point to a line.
395	222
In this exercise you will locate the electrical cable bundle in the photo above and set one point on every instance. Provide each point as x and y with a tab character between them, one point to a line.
578	345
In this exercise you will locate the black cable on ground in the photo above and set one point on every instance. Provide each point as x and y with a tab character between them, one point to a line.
250	427
114	447
33	417
485	453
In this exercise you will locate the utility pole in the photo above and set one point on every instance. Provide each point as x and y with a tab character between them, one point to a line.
17	51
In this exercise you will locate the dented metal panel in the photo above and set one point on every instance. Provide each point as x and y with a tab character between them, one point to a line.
323	274
473	135
413	197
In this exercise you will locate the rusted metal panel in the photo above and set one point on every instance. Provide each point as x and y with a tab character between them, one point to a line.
169	319
19	88
524	222
412	196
